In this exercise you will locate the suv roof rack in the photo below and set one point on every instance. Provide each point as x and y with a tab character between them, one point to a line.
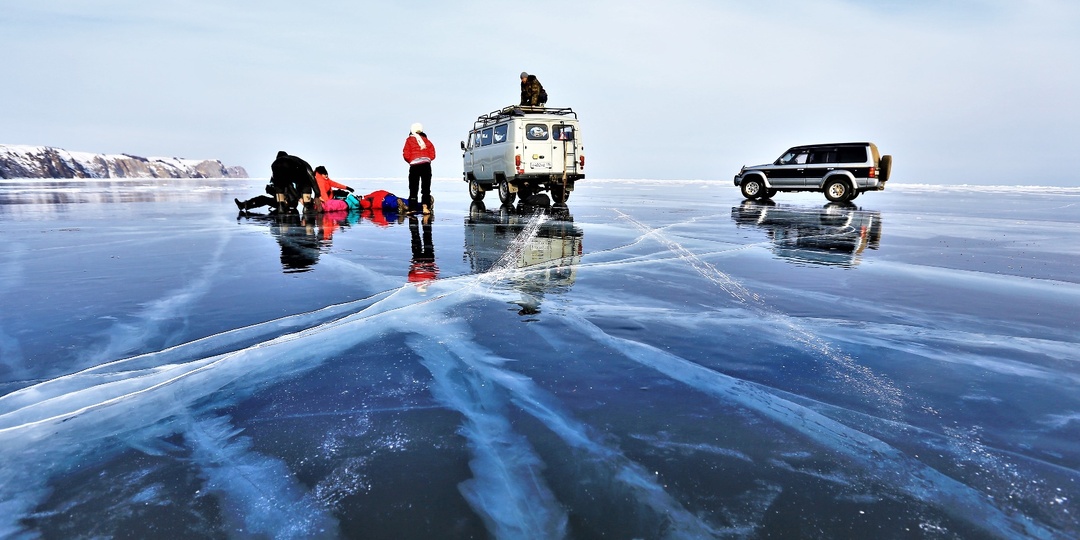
520	110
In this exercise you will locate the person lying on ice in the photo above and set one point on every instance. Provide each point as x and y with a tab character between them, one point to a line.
386	201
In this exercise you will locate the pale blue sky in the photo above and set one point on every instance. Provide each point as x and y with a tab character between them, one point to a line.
979	92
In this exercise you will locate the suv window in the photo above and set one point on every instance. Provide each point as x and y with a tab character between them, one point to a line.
822	156
563	133
536	132
792	158
852	154
500	133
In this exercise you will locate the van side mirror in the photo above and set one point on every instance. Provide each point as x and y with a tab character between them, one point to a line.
462	146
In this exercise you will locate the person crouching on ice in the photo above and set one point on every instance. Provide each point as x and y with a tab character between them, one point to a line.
419	153
326	201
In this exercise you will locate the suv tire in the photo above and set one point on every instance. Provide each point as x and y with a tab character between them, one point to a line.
838	190
753	187
886	168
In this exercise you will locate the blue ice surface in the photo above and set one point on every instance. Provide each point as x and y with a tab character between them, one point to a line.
659	359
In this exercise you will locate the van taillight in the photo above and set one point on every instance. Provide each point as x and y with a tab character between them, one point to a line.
517	161
581	161
873	172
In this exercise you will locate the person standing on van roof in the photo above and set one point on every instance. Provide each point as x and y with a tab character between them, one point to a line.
532	92
419	153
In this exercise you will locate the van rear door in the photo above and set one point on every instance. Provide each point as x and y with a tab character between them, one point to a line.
536	148
564	147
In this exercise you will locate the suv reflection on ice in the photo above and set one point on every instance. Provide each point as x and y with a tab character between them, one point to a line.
840	170
835	235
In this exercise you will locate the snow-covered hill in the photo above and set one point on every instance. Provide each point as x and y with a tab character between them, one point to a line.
17	161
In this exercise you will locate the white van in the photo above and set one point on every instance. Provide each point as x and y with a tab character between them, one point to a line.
522	151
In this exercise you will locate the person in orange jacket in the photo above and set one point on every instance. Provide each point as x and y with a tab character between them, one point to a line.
419	153
326	201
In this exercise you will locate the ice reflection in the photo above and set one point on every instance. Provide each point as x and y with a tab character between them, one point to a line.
834	235
551	255
303	237
299	238
422	269
113	190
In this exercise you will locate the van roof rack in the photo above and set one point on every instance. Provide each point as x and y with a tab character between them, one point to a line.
520	110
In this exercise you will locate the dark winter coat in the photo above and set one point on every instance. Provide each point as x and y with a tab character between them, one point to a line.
532	92
293	177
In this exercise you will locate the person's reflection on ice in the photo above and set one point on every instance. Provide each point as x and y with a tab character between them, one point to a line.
422	270
299	241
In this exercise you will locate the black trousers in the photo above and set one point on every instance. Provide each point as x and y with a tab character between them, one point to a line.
419	180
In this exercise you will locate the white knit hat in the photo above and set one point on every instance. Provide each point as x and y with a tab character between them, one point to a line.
416	128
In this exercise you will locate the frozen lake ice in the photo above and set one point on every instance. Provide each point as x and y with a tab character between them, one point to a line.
659	359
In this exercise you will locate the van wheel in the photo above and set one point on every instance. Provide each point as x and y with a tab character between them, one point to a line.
559	194
476	210
837	190
753	187
505	195
886	168
475	191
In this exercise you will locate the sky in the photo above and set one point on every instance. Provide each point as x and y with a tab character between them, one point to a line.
958	91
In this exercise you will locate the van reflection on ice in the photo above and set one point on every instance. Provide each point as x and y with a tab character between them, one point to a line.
551	255
834	235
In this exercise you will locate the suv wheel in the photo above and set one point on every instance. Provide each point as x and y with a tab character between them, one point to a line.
505	195
837	190
475	191
753	187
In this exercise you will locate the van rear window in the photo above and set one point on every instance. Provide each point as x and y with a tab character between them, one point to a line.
536	132
563	133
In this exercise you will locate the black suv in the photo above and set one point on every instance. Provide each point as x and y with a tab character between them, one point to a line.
841	170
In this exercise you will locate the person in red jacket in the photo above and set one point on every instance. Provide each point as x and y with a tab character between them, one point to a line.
419	153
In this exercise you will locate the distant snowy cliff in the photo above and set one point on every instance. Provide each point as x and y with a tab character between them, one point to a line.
46	162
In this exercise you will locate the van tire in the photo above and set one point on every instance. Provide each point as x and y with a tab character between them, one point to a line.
505	195
886	168
476	191
559	194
